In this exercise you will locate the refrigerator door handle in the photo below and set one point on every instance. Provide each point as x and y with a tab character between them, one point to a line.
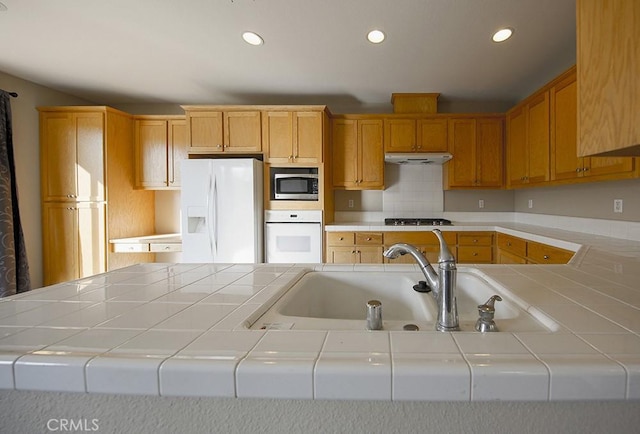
215	215
210	214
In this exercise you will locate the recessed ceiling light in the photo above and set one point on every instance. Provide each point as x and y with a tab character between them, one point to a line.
376	36
252	38
502	34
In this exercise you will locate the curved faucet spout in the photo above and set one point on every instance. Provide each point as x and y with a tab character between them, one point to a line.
429	273
443	285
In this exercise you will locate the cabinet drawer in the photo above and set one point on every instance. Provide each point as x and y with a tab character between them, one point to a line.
544	254
418	238
130	248
341	238
165	247
475	239
506	257
512	244
473	254
363	238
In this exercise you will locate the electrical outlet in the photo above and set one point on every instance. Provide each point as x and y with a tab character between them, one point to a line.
530	203
350	203
481	203
617	205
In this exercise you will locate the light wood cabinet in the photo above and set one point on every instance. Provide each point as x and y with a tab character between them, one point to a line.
88	196
74	240
515	250
528	144
475	247
608	61
72	157
358	158
565	164
477	146
425	241
354	248
293	136
160	146
425	134
211	131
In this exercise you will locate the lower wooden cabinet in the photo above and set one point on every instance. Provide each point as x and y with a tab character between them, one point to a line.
74	240
514	250
481	247
354	248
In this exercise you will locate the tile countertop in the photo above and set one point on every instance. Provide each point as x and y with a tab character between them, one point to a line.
181	330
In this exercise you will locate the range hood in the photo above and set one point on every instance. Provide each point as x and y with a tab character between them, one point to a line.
433	158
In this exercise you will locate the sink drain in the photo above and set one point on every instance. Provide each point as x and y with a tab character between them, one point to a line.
411	327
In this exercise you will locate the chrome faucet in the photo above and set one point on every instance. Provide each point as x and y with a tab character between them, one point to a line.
443	285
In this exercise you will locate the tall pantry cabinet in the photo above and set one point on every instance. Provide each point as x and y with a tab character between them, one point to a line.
87	188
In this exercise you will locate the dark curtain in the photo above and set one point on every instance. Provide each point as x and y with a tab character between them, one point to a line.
14	270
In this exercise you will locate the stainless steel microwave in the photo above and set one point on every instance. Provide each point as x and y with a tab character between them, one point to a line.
295	186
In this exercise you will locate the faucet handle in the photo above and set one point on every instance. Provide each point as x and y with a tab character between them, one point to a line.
486	311
489	306
445	254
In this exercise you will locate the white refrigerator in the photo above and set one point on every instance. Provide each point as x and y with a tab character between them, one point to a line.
221	210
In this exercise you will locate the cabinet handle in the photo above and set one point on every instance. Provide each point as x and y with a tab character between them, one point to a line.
290	157
546	256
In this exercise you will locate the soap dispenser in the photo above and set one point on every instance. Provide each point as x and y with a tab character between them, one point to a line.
486	311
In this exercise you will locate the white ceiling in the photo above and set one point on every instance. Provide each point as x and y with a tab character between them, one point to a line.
315	51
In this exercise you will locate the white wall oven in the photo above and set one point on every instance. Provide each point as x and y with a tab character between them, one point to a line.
293	237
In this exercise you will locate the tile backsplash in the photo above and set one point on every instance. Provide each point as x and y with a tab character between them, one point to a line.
413	191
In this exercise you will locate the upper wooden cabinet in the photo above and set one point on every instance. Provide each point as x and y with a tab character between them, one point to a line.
72	156
212	130
293	136
160	146
477	146
528	141
565	163
608	61
358	157
425	134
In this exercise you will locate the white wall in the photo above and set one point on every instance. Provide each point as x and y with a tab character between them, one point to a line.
26	142
29	412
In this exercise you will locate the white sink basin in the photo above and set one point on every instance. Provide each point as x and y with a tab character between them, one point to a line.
336	300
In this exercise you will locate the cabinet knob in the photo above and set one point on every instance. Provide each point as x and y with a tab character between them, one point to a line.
546	256
341	238
585	169
368	238
219	146
508	243
475	241
475	253
578	170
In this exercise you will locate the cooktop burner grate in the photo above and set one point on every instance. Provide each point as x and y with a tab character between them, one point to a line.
416	222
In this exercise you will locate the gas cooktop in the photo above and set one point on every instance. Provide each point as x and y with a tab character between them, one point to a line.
416	222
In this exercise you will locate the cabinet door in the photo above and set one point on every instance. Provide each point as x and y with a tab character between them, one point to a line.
205	131
307	137
278	136
565	162
58	156
399	135
608	71
341	255
432	135
595	166
60	242
92	240
242	131
72	146
538	138
369	254
151	153
178	150
371	154
345	152
517	156
489	153
462	144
